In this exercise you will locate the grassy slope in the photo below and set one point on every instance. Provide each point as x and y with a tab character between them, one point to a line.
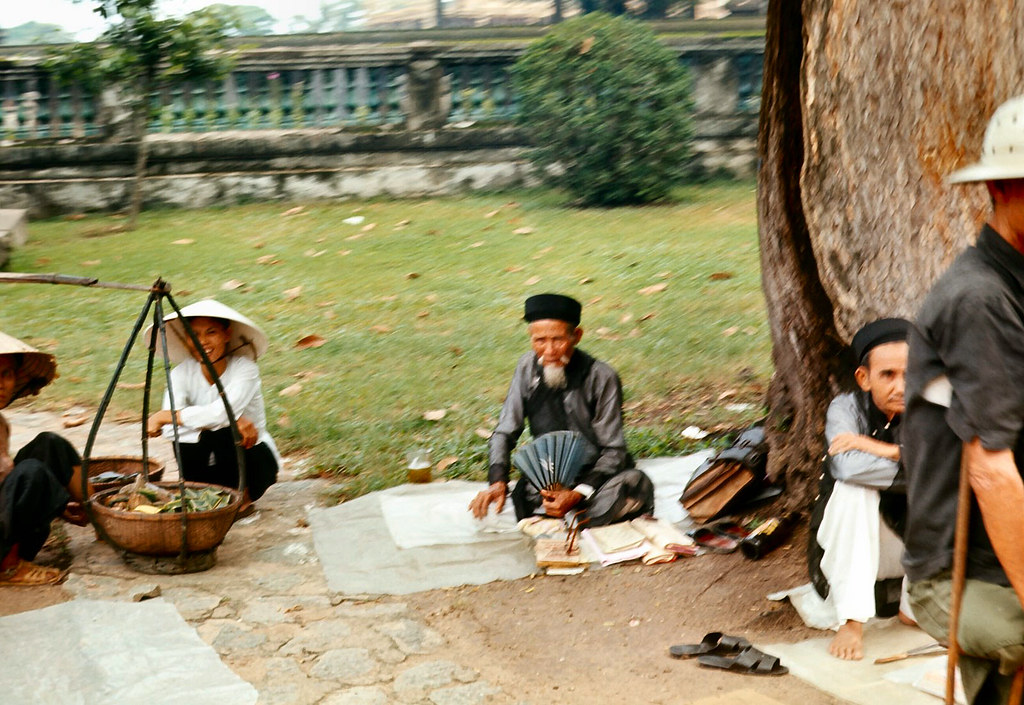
443	280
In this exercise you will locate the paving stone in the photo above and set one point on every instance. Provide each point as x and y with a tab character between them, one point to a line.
363	695
370	610
292	553
224	612
317	637
277	609
352	666
278	582
471	694
93	586
411	636
416	681
235	638
193	605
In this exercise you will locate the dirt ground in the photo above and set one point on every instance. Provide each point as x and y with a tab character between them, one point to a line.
602	637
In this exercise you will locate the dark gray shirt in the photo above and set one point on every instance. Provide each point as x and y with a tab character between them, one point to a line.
591	404
971	332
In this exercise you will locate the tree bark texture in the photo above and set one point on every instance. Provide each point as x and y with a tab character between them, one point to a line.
866	108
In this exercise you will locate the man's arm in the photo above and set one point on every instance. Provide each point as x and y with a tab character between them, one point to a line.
998	487
851	459
6	463
607	426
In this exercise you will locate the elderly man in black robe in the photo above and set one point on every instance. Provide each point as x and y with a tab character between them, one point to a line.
557	387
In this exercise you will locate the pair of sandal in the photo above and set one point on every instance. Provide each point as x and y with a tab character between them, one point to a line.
731	653
26	574
721	537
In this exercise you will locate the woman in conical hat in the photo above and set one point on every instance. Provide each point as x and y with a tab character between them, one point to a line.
40	483
233	343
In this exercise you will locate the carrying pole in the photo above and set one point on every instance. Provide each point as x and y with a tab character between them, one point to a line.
963	516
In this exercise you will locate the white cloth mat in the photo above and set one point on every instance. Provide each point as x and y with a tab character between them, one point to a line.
442	517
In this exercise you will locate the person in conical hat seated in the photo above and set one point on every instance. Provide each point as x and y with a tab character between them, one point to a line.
232	343
557	387
41	482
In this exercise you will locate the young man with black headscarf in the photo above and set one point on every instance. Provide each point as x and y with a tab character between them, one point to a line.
854	545
557	387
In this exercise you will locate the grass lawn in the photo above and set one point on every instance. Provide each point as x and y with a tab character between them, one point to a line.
420	308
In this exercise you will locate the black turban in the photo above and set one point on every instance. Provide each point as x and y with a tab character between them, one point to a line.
880	332
552	306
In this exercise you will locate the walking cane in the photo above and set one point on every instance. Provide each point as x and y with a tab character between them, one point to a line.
963	516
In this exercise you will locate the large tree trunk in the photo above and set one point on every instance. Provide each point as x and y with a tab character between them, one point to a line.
866	107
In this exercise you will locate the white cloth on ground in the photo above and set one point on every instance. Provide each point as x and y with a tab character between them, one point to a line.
859	548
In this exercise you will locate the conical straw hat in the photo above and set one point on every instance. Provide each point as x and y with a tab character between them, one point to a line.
37	369
246	337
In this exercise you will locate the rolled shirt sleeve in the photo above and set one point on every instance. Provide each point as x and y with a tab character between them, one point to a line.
856	467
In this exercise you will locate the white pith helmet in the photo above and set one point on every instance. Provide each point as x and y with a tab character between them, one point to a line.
1002	151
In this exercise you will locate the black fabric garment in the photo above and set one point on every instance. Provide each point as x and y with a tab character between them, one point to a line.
35	493
970	330
213	460
628	495
892	505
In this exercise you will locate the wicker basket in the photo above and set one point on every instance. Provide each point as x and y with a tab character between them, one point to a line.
160	534
124	465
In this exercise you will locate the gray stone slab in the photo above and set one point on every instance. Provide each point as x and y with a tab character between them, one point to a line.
112	652
358	555
470	694
363	695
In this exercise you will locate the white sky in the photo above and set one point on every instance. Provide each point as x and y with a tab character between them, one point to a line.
79	19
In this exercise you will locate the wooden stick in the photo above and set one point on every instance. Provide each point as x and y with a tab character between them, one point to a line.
28	278
1017	687
963	516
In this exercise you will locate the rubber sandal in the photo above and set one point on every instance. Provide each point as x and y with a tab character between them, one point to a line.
750	661
27	574
730	530
713	643
706	538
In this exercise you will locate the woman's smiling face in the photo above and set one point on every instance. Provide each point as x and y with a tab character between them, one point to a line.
214	336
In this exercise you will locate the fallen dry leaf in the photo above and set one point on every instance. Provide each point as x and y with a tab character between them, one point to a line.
422	314
647	317
131	385
91	262
291	390
719	276
652	289
522	231
325	304
434	414
445	463
293	293
430	298
663	275
455	350
626	318
726	394
586	45
402	224
382	329
231	285
344	252
73	421
412	275
586	280
354	237
284	421
749	330
183	241
368	227
483	433
389	297
309	341
268	259
75	216
594	300
478	243
320	239
314	253
531	281
293	211
330	314
635	333
513	268
492	213
730	331
259	245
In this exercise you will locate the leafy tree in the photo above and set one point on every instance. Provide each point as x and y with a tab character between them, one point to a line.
141	54
608	109
335	16
244	20
35	33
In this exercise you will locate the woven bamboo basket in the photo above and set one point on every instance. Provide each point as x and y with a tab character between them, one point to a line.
124	465
160	534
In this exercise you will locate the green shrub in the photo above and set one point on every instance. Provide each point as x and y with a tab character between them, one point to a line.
608	110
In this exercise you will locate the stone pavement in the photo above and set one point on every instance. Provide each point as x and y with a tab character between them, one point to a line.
265	607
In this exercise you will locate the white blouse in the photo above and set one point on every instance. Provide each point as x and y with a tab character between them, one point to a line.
200	404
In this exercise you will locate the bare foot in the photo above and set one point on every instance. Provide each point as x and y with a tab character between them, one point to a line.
848	643
906	619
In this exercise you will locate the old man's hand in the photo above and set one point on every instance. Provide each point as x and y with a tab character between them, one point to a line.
495	494
558	502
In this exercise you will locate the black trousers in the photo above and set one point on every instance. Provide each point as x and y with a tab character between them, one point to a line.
213	460
627	495
35	493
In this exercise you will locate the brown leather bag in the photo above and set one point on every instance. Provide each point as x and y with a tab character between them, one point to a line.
729	479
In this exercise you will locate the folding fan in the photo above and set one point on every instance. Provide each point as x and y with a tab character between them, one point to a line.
553	460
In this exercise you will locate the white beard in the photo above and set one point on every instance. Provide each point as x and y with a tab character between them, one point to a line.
554	376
